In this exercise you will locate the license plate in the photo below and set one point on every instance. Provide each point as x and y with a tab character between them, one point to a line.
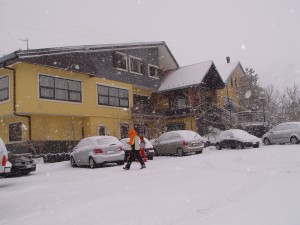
109	152
151	150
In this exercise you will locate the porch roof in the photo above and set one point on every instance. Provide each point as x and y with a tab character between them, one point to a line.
204	74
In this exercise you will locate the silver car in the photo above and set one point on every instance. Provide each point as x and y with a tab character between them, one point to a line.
283	133
178	142
97	150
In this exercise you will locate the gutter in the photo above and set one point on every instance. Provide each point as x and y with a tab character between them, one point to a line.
15	101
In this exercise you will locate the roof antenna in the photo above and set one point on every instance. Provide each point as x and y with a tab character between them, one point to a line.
26	42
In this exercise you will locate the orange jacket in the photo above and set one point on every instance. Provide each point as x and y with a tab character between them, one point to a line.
131	134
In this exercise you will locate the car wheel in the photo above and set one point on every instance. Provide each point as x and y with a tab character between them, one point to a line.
294	140
180	152
239	145
73	164
120	163
198	152
218	146
256	146
92	163
267	141
150	158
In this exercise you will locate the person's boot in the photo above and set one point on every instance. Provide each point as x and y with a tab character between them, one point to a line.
126	167
143	166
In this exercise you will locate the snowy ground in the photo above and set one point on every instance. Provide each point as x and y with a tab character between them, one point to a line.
227	187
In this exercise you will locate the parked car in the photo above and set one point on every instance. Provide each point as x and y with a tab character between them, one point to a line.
178	142
4	165
22	164
236	138
283	133
97	150
149	150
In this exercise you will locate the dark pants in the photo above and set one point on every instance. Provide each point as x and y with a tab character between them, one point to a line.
137	155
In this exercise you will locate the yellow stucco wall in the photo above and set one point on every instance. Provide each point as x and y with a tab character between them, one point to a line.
61	120
230	90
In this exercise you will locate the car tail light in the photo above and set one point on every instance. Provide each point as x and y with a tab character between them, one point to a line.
185	143
98	151
3	161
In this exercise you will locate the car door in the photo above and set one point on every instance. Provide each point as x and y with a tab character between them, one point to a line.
162	144
275	134
83	150
285	133
174	143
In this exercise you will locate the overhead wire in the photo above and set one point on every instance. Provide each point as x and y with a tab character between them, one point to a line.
112	37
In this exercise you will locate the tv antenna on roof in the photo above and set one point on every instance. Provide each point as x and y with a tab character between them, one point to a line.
248	94
26	42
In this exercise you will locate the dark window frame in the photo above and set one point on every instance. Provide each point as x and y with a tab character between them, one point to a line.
6	88
56	89
15	133
156	71
121	60
110	96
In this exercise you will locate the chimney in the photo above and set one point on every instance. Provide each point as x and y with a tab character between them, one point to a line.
228	59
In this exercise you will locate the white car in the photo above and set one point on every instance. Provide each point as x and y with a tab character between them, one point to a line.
97	150
236	138
283	133
5	166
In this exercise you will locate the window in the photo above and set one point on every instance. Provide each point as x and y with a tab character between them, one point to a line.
181	103
136	65
112	96
4	88
153	71
15	132
124	128
60	89
120	61
235	82
101	130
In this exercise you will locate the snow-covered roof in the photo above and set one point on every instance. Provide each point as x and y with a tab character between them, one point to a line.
226	70
185	76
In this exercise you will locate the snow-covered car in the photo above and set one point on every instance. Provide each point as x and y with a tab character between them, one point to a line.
179	142
21	164
236	138
283	133
4	166
149	150
97	150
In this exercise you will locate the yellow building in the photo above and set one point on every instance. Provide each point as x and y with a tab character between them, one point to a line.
57	96
231	74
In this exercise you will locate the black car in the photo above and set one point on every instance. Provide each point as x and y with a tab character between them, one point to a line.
236	138
22	164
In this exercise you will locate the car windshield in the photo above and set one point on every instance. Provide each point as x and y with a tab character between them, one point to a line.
107	141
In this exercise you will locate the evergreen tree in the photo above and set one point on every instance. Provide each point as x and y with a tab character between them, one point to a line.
249	84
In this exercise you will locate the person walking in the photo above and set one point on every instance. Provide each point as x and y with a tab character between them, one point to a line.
135	150
142	147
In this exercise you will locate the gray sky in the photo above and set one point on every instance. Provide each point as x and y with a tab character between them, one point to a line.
261	34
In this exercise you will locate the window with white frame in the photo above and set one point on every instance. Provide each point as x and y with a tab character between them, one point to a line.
136	65
120	60
112	96
4	88
59	89
15	132
153	71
